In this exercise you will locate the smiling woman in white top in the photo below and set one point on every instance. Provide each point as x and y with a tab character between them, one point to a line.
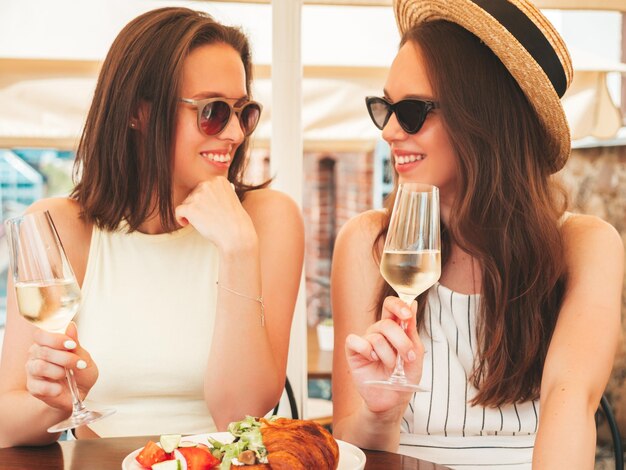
189	283
516	342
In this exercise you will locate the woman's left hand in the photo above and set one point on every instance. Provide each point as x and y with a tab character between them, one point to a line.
215	211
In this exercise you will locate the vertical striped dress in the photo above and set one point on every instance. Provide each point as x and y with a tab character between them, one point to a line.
441	425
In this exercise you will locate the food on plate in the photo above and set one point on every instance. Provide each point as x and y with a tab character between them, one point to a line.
299	444
169	442
248	444
259	444
199	458
168	465
152	454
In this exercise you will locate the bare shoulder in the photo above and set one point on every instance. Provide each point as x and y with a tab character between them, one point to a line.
594	250
74	232
353	256
64	211
362	229
355	275
581	232
266	202
276	217
61	206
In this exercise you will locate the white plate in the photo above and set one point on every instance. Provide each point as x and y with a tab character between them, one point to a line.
350	457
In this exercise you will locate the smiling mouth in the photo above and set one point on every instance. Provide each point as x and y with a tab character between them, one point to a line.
216	157
402	160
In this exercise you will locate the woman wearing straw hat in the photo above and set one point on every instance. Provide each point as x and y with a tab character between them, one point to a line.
515	342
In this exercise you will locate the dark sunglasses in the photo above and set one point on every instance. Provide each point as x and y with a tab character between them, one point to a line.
214	115
411	113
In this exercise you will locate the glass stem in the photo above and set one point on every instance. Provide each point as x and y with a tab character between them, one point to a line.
398	372
77	403
398	376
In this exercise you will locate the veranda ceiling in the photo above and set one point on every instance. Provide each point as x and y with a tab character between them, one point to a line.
44	100
44	107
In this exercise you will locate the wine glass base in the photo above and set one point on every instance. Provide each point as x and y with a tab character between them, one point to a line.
396	386
82	418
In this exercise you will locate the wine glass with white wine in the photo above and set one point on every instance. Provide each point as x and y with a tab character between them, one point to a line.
46	291
411	261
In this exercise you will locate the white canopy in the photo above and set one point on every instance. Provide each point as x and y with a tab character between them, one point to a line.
44	104
49	61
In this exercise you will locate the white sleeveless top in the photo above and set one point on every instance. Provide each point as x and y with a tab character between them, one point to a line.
442	426
147	319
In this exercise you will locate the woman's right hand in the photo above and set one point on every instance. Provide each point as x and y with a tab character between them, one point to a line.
216	212
48	357
373	355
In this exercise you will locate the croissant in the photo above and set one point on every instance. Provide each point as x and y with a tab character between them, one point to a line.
295	444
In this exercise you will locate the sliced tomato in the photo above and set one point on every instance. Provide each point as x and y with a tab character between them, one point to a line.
199	458
151	454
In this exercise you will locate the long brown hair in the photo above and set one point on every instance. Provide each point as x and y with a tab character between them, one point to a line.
120	170
506	214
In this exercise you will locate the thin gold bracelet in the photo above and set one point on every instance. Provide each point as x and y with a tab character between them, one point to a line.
256	299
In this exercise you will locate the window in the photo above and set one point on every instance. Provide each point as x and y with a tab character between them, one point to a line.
27	175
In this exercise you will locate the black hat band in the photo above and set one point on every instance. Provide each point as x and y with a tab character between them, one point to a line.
530	37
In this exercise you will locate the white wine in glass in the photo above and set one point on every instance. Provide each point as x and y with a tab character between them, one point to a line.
411	261
409	272
50	306
47	292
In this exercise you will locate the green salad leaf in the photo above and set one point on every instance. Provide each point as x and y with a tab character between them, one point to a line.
248	436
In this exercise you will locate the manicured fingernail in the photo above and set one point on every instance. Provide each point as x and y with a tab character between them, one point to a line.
374	356
69	344
406	312
81	364
411	355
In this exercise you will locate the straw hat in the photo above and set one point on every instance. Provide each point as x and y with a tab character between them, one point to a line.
524	40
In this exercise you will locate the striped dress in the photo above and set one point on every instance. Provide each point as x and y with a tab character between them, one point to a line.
442	426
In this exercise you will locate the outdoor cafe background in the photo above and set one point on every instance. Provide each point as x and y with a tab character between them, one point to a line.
324	56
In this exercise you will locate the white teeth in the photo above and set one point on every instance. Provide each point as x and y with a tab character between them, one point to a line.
216	157
401	160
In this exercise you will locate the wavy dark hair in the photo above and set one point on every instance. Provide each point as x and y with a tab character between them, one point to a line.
506	214
127	175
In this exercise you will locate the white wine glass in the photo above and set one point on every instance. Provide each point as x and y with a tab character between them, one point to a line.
411	261
46	291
